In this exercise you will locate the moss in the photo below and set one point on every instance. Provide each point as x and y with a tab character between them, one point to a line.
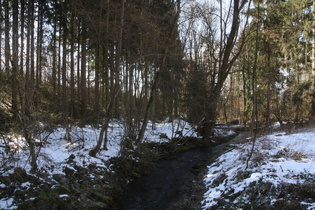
62	189
136	175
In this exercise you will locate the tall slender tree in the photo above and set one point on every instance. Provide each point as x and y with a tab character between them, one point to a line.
15	58
116	88
313	64
7	50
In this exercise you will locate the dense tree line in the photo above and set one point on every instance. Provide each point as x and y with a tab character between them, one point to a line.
75	61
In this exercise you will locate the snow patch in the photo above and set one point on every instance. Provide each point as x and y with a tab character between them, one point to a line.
278	158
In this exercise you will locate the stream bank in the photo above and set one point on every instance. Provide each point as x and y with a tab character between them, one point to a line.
175	182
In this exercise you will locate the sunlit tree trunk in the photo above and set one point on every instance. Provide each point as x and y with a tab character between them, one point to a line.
313	66
59	76
226	61
254	117
1	31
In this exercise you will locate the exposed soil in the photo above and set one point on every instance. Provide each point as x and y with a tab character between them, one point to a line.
172	183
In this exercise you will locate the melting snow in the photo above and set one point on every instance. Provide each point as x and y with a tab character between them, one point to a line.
277	158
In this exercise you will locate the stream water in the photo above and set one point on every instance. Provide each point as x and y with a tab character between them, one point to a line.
169	182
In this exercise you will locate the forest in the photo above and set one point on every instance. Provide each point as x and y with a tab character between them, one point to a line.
75	63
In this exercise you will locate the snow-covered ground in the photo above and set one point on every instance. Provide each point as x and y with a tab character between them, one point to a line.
278	158
55	152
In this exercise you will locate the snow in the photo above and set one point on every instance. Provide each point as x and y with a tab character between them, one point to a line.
56	151
278	158
7	203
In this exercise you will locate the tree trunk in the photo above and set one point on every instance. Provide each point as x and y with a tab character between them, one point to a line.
15	59
39	44
54	56
28	60
59	76
149	104
22	37
72	49
32	68
7	50
97	81
64	54
79	57
1	31
64	72
116	89
254	123
313	67
227	59
83	72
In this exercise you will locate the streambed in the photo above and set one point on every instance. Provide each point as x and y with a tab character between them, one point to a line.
172	182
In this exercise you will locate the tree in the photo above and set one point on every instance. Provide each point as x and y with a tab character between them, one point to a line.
15	59
83	70
7	51
287	30
218	55
174	9
116	88
313	65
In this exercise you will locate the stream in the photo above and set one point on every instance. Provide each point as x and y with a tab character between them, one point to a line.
170	182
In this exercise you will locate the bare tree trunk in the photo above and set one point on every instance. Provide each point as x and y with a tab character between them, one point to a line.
313	67
7	50
79	57
64	71
28	57
149	104
32	68
59	76
72	49
83	72
156	81
15	58
254	123
116	89
39	44
227	59
106	55
64	53
97	81
22	38
54	57
1	31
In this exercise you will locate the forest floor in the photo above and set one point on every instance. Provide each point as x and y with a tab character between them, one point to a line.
279	175
69	178
281	171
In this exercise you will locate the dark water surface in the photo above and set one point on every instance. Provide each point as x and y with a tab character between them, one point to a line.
169	182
